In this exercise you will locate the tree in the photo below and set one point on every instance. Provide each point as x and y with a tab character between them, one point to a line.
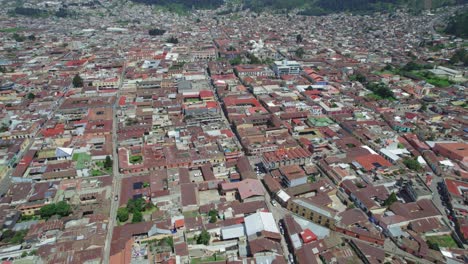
412	164
18	38
108	162
236	61
299	38
253	59
47	211
137	217
172	40
391	199
300	52
433	245
122	214
156	32
136	204
213	214
31	96
204	237
62	208
32	37
423	107
77	81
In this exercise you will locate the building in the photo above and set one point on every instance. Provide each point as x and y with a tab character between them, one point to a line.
307	209
286	67
293	175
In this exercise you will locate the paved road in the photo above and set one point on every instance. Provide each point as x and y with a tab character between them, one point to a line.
117	177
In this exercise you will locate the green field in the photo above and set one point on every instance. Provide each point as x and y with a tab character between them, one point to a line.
135	159
209	259
10	30
81	159
443	241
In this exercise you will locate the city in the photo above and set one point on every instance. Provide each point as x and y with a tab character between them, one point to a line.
133	133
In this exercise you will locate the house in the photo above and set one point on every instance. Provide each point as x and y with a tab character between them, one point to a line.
293	175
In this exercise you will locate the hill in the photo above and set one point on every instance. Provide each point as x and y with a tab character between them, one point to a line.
458	25
308	7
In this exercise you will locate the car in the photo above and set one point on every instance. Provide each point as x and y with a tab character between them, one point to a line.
116	197
291	258
273	202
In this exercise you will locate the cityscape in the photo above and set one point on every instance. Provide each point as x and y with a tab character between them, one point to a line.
233	132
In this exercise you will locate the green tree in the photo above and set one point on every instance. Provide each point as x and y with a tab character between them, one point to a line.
299	38
122	214
77	81
433	246
136	204
18	38
391	199
137	217
108	162
172	40
62	208
412	164
213	214
204	237
236	61
31	96
47	211
300	52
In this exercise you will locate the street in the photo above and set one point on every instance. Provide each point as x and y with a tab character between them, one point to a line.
117	180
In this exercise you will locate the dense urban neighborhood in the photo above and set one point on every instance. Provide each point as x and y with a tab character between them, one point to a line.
131	133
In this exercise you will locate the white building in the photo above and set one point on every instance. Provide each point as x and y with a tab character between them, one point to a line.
286	67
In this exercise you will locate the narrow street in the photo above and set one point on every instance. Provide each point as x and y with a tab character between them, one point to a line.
117	180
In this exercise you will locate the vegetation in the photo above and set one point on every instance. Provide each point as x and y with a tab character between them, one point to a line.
61	208
213	258
236	61
435	242
358	77
458	25
156	32
122	214
460	57
13	237
63	12
300	52
412	164
172	40
137	217
391	199
77	81
184	4
31	96
108	162
213	214
203	238
18	38
253	59
135	159
27	11
380	90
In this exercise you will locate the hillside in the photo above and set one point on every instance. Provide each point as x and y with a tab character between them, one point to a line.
458	25
309	7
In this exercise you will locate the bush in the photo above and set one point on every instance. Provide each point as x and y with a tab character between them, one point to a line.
204	238
156	32
137	217
122	214
61	208
412	164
